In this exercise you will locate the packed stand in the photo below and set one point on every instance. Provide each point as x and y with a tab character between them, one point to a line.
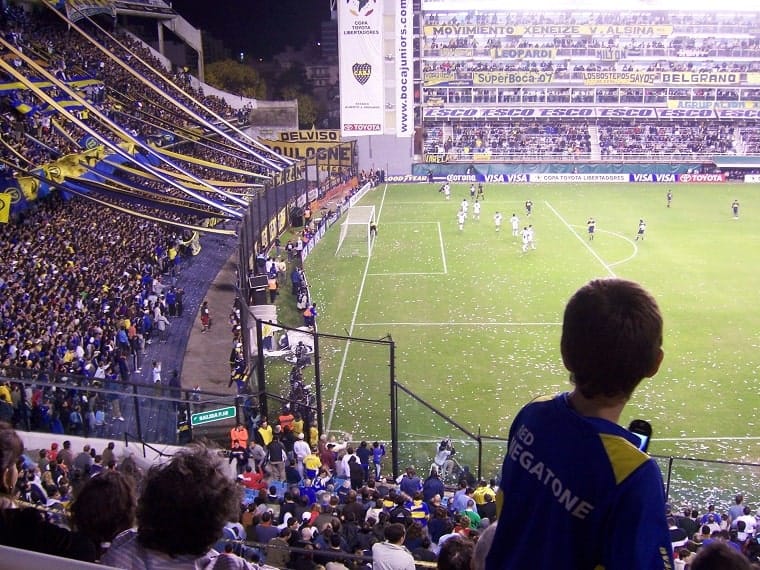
663	139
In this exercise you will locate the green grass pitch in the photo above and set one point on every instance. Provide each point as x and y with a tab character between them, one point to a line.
476	321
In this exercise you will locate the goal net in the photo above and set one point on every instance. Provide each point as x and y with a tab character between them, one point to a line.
355	236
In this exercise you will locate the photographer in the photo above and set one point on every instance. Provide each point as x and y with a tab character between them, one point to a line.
444	459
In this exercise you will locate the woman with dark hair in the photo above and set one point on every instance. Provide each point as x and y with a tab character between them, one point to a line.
26	528
104	507
181	512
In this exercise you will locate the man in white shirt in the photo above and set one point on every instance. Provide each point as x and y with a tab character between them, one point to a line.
300	449
392	554
749	521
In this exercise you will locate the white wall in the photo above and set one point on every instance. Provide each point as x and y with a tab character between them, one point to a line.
385	152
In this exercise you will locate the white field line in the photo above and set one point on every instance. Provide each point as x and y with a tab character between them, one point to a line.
353	322
461	324
629	240
443	249
624	238
583	241
402	274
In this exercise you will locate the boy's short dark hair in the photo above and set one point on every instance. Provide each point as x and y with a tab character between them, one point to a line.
611	337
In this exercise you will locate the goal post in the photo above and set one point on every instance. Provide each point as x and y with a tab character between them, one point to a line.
355	235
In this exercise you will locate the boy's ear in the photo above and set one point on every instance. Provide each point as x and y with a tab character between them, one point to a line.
658	361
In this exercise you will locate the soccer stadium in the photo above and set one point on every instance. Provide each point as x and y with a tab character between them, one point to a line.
229	341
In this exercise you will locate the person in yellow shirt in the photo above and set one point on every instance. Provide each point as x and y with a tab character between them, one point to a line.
480	492
313	435
298	425
265	433
311	464
5	393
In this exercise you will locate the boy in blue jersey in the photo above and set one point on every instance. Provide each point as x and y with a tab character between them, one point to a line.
572	477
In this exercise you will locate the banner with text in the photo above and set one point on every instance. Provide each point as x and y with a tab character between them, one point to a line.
499	30
681	104
404	73
511	77
645	78
360	37
569	177
654	178
750	112
333	152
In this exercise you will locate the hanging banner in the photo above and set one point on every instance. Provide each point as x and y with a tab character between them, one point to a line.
511	77
335	153
360	38
404	73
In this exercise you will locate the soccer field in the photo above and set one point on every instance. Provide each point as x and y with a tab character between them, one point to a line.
476	321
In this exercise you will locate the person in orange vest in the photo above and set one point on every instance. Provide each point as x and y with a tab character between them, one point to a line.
238	436
286	418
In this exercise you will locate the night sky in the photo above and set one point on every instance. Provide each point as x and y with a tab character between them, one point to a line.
260	28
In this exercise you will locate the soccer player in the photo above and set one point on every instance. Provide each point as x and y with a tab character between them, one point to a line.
735	209
464	206
600	498
642	229
669	197
476	210
461	217
447	191
515	221
525	238
497	217
591	225
531	237
472	191
528	207
481	196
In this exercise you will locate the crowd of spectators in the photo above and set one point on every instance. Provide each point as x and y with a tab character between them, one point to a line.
83	289
618	138
298	500
528	139
36	135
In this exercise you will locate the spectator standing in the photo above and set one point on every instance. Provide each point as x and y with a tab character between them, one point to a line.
277	455
737	509
238	436
205	317
603	515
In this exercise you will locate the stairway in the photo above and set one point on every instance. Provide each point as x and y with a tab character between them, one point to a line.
596	151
